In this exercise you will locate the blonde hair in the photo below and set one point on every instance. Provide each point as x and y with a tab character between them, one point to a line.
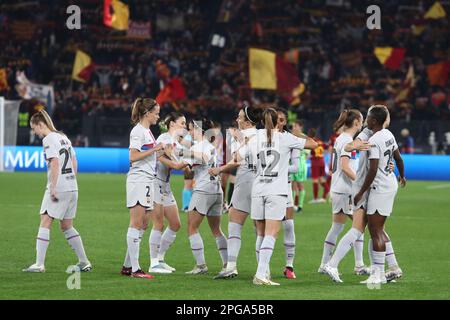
140	107
43	117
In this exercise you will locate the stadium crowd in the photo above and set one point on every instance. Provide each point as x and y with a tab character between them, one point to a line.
335	56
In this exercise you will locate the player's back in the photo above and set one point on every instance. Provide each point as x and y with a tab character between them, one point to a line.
246	172
383	145
57	145
340	182
204	182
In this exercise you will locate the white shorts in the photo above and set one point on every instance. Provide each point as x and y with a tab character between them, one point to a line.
272	207
381	203
363	202
206	204
290	199
242	197
64	208
141	193
341	202
163	194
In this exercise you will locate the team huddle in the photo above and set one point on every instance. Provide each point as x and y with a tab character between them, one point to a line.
266	157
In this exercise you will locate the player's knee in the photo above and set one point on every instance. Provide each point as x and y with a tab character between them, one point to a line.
175	226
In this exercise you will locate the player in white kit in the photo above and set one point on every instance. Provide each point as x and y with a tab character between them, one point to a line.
61	194
270	150
343	176
140	180
382	183
240	203
207	198
165	204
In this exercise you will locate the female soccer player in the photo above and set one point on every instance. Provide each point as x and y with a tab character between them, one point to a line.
298	178
207	199
318	169
61	194
271	150
381	181
165	204
140	180
188	174
241	200
351	122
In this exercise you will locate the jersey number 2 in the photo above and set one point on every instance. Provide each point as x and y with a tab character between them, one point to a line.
67	155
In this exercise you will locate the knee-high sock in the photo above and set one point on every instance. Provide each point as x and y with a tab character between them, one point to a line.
301	198
133	242
315	190
186	199
42	242
259	240
390	255
74	239
234	243
330	241
221	243
265	253
326	189
344	246
167	239
289	242
198	250
378	261
127	262
358	249
154	242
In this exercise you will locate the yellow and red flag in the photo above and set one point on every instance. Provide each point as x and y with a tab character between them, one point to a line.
118	19
435	12
391	58
82	67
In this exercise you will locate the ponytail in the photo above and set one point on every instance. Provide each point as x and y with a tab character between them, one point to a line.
346	118
270	118
43	117
140	107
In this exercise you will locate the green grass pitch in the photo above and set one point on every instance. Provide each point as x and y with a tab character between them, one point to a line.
419	228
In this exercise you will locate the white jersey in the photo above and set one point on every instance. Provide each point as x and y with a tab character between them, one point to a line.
143	170
361	172
272	161
340	182
204	182
246	172
383	145
57	145
163	171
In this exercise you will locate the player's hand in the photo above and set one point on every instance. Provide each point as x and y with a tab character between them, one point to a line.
402	181
214	171
357	198
53	195
361	145
391	166
168	150
159	147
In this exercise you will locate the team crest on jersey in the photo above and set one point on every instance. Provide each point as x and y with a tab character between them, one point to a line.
353	154
148	146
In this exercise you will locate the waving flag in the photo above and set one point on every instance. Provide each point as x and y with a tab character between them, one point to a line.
391	58
119	18
435	12
82	67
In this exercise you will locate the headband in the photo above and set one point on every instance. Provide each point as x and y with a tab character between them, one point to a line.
246	114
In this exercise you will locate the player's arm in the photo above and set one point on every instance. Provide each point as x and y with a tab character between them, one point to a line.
345	165
224	168
54	174
401	167
310	143
293	165
177	165
74	164
373	167
136	155
357	144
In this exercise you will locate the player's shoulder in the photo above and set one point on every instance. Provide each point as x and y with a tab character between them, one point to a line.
137	130
164	137
52	137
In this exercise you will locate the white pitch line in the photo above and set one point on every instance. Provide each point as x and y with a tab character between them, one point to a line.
438	186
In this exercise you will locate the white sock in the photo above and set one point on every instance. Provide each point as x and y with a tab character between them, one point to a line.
379	260
127	262
167	238
233	244
74	239
265	253
358	248
344	246
259	240
330	241
370	249
197	248
154	242
42	242
289	242
133	243
221	243
390	255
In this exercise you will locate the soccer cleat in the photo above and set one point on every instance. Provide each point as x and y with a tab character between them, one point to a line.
376	277
362	270
299	210
125	271
221	274
158	269
229	274
289	273
321	269
84	266
314	201
166	266
34	268
264	282
333	273
141	274
202	269
322	200
393	273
